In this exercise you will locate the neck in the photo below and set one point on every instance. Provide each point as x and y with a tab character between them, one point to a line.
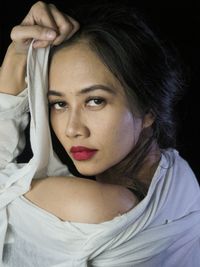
144	174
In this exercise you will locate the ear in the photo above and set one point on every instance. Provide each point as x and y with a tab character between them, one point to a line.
148	120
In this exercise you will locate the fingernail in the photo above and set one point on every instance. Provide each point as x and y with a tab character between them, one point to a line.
51	35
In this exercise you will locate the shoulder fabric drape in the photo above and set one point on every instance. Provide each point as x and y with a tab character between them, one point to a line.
15	178
162	230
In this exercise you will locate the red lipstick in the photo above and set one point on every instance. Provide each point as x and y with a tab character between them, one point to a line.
82	153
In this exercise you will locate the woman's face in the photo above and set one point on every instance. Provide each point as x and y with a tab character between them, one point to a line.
89	110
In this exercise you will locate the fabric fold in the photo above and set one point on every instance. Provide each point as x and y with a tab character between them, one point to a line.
157	232
15	178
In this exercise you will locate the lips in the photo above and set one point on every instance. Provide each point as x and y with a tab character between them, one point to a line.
82	153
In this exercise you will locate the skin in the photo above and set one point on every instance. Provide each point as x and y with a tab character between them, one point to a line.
87	201
81	200
95	118
44	23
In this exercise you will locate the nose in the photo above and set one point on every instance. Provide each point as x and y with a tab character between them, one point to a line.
75	126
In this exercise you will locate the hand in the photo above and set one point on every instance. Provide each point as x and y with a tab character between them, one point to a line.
45	23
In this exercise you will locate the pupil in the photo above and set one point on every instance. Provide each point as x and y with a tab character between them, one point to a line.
97	101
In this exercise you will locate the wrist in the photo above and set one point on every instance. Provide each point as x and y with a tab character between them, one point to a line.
12	72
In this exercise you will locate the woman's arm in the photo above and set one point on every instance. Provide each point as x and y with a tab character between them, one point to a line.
44	23
81	200
12	72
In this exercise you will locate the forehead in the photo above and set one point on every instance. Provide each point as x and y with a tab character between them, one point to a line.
77	65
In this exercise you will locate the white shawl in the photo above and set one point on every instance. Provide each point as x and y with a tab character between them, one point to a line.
162	230
15	178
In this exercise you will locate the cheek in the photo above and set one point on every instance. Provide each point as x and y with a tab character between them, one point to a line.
121	132
125	131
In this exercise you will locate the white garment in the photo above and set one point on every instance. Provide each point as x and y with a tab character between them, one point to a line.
162	230
15	178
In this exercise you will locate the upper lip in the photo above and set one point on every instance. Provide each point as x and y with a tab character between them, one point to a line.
75	149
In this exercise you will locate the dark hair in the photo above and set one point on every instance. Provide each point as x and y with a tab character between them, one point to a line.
146	68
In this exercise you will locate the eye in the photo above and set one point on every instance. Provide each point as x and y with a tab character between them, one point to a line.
58	105
95	102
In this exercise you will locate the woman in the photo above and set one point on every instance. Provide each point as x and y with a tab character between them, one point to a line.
111	92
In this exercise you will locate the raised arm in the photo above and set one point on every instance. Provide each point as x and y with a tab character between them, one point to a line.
44	23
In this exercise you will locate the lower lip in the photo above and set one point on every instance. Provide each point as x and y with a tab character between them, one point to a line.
83	155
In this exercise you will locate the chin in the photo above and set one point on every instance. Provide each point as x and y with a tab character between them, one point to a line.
86	171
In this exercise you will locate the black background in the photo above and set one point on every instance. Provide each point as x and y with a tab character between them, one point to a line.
176	22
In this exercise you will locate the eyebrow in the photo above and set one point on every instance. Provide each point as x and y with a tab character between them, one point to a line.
85	90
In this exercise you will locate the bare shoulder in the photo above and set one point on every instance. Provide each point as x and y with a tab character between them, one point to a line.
81	200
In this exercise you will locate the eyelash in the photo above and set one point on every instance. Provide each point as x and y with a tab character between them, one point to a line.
63	104
101	99
52	105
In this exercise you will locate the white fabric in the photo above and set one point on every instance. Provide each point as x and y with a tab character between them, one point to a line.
15	178
162	230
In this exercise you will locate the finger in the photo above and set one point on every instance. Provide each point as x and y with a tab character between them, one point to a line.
65	24
75	24
23	33
40	14
40	44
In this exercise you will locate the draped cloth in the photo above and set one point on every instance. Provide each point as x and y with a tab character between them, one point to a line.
162	230
15	179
